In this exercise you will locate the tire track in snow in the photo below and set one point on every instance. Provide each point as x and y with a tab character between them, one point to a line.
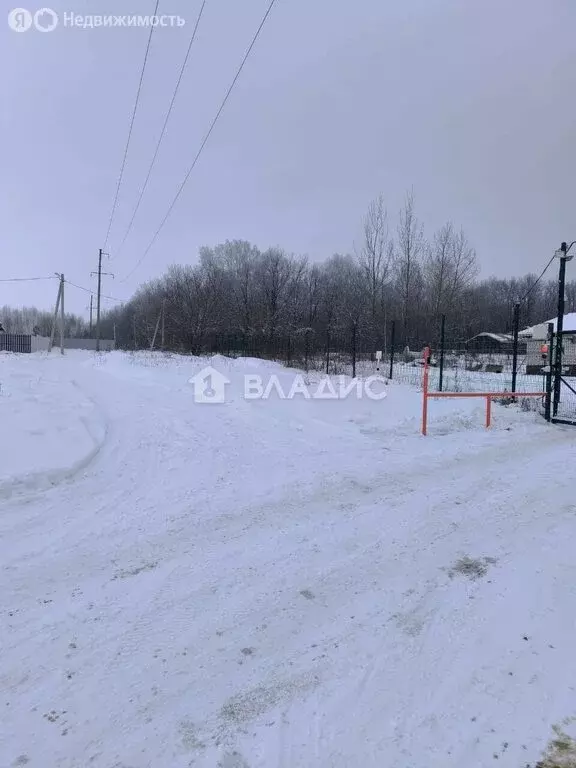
34	483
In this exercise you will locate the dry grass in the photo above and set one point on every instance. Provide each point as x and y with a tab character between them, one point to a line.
470	568
561	752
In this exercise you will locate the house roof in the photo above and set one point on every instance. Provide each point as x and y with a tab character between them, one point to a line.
501	338
540	330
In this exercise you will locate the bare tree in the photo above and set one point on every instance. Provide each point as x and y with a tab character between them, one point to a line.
464	265
240	259
29	320
449	269
275	274
376	253
438	267
410	245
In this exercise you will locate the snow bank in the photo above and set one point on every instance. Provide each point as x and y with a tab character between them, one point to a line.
49	429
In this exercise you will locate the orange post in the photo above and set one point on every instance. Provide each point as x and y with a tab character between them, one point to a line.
425	391
488	395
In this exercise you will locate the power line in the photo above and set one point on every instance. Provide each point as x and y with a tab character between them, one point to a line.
529	291
164	127
123	166
25	279
203	144
55	277
87	290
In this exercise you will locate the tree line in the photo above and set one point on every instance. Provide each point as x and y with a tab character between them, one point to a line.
38	322
238	297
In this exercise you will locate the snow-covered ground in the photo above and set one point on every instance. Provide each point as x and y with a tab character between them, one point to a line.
276	583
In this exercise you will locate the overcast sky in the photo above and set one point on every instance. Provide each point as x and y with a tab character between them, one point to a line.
471	104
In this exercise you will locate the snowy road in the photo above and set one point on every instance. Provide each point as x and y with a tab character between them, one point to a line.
266	584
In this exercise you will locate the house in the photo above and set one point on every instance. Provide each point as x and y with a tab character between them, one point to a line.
537	350
490	343
540	330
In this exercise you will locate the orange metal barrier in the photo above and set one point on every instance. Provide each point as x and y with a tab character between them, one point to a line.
488	395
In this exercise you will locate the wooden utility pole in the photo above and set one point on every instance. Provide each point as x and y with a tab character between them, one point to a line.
62	314
162	338
55	318
98	300
91	300
99	273
155	332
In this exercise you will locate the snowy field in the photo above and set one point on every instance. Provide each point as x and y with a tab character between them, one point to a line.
277	583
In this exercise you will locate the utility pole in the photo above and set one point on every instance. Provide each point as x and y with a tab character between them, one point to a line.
155	332
162	337
98	301
515	329
55	318
62	314
99	273
91	300
562	254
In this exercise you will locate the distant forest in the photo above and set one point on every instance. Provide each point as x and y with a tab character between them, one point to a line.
240	298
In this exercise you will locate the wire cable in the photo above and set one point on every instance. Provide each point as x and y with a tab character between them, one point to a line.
163	132
529	291
26	279
203	143
102	295
137	102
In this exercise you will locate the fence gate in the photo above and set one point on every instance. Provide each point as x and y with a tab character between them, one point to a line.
563	406
563	382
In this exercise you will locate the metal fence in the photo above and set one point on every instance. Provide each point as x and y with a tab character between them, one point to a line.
353	351
493	363
24	343
486	363
15	342
335	350
454	367
561	379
